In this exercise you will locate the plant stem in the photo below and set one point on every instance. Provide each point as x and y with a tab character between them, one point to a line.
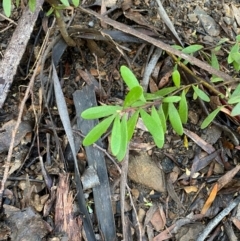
199	80
61	23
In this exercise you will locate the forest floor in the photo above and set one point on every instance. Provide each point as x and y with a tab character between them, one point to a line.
186	190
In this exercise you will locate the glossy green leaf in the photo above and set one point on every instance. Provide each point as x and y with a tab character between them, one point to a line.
162	118
98	130
65	2
133	95
32	5
172	99
183	108
116	136
192	49
75	3
176	78
153	127
131	124
236	110
175	119
160	93
7	7
210	117
234	99
128	77
201	94
100	111
124	139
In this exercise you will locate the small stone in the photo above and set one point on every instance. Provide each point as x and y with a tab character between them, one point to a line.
228	21
167	164
192	17
143	170
208	39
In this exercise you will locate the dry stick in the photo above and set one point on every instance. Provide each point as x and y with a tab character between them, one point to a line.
123	183
61	24
10	151
212	224
126	29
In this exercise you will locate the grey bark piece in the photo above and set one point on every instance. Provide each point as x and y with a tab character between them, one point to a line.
16	49
84	99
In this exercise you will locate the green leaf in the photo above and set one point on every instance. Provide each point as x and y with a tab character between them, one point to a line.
50	11
236	92
175	119
131	124
236	110
128	77
65	2
156	117
138	103
160	93
236	57
201	94
210	117
17	3
153	127
233	50
133	95
176	78
100	111
162	118
234	100
75	3
32	5
172	99
215	79
195	96
238	37
178	47
192	49
214	61
7	7
236	65
97	131
183	108
124	139
116	136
